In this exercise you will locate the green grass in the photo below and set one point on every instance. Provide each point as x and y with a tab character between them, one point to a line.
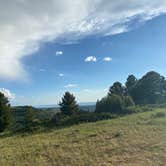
134	140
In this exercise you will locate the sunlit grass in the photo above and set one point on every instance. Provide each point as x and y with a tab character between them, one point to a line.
138	139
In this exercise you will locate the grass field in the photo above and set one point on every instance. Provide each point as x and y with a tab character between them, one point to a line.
134	140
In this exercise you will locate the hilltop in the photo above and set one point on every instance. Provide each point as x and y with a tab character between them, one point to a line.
137	139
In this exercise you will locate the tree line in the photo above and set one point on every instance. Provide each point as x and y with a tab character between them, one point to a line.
120	100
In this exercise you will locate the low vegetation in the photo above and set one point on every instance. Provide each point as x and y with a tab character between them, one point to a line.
137	139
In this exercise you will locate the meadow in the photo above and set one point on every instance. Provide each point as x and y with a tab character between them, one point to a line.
133	140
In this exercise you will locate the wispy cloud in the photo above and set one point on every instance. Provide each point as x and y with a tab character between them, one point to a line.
90	59
30	23
107	59
86	90
42	70
59	53
70	85
7	93
61	75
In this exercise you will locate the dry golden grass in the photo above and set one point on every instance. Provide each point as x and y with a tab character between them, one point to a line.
134	140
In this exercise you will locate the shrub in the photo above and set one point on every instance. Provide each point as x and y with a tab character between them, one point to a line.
61	120
112	104
159	115
137	109
128	101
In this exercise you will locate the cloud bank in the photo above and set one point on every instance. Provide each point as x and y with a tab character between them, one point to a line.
25	24
7	93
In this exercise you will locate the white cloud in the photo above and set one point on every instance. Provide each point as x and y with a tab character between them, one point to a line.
90	59
86	90
61	75
7	93
58	53
107	59
42	70
30	23
70	85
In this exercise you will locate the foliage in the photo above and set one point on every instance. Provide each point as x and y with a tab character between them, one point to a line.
150	89
30	119
68	106
122	141
117	89
81	117
137	109
114	104
159	115
128	101
130	83
6	117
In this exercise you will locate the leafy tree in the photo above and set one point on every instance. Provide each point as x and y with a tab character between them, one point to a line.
112	104
6	117
68	106
150	89
117	89
130	83
128	101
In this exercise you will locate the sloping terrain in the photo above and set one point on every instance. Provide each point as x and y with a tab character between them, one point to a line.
134	140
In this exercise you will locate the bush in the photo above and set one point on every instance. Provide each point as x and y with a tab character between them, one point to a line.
159	115
128	101
137	109
61	120
112	104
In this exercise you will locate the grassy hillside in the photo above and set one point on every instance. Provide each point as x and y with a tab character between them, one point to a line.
138	139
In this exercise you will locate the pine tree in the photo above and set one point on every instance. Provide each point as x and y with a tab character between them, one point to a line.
117	89
6	117
68	106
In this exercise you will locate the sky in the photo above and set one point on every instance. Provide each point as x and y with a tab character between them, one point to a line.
81	46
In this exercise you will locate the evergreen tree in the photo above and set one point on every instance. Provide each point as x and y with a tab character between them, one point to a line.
130	83
150	89
117	89
6	117
30	116
68	106
112	104
128	101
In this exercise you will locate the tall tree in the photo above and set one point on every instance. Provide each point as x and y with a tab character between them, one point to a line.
112	104
150	89
68	105
6	117
130	83
117	89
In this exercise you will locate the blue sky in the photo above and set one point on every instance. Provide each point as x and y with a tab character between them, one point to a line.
85	62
